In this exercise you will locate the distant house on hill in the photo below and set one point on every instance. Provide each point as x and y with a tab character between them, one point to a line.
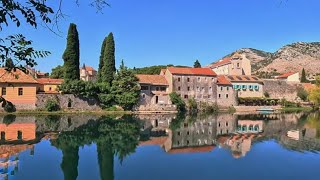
235	65
290	76
36	74
87	73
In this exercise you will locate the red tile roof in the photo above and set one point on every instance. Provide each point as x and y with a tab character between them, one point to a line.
88	68
50	81
199	149
152	79
286	75
15	76
192	71
222	80
224	61
244	78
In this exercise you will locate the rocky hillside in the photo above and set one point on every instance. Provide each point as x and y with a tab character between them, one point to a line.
291	57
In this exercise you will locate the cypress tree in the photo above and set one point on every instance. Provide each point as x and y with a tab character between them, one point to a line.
303	76
71	55
101	59
109	67
197	64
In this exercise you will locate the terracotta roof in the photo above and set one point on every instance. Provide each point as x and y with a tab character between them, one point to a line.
222	80
88	68
224	61
199	149
244	78
152	79
192	71
16	76
286	75
49	81
154	141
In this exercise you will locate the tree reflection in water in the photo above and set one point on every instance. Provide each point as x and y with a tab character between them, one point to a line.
114	137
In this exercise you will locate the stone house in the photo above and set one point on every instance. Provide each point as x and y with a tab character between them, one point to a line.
226	95
18	88
87	73
247	86
235	65
48	85
290	77
154	91
198	83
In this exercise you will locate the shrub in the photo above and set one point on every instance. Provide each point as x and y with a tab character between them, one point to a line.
177	100
231	110
302	94
208	108
52	105
192	105
9	107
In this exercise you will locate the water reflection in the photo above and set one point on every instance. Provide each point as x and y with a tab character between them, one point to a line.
120	136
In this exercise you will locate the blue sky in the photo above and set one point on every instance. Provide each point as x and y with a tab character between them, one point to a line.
153	32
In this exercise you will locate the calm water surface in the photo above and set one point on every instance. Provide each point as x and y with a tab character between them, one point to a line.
224	146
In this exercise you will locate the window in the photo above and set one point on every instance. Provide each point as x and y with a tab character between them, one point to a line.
144	88
157	88
198	78
179	88
188	88
163	88
209	97
219	95
19	135
188	79
143	96
227	88
227	124
179	134
179	79
238	65
50	88
221	88
20	91
202	88
227	95
4	91
186	96
205	79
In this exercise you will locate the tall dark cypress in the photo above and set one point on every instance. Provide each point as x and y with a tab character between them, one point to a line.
303	76
101	59
71	55
109	67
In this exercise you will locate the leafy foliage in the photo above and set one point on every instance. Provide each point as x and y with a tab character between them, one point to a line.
52	105
302	94
8	106
71	55
125	88
80	88
57	72
177	100
192	105
16	52
108	69
197	64
101	59
153	69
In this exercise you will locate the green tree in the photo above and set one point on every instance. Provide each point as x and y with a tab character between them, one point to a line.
125	88
303	76
318	80
177	100
314	96
57	72
101	59
109	69
71	55
197	64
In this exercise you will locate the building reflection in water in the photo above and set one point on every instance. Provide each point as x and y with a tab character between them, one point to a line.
16	135
119	137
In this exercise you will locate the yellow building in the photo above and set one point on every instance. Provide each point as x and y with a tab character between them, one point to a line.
48	85
18	88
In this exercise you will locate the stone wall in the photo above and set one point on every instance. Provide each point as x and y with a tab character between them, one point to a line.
280	89
68	101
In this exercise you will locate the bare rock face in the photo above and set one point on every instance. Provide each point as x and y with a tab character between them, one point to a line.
291	57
